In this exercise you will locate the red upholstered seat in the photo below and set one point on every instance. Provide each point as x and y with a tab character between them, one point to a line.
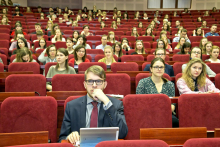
145	75
217	81
4	36
181	58
131	51
151	57
94	51
214	67
47	67
1	67
4	43
126	58
177	67
26	83
98	57
30	114
124	66
176	51
144	64
70	99
213	38
24	66
4	59
133	143
195	38
194	44
60	44
145	38
144	111
36	44
202	142
46	145
85	65
199	110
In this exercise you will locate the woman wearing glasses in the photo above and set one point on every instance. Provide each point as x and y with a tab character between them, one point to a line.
51	55
194	79
62	66
157	84
196	52
161	53
79	55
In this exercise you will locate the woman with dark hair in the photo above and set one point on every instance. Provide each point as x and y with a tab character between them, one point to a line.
58	37
18	27
117	49
125	44
21	42
180	43
199	32
69	44
51	55
42	44
185	48
24	55
62	66
157	84
196	52
75	36
149	32
79	55
81	40
125	16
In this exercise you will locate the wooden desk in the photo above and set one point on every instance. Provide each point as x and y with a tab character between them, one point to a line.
22	138
173	136
217	132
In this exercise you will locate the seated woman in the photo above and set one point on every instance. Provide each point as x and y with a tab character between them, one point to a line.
75	36
69	44
199	32
114	25
134	32
125	16
125	44
161	44
102	25
117	49
185	48
199	19
75	24
207	48
166	28
79	55
62	66
196	52
140	25
139	48
194	79
108	59
214	55
49	25
165	39
204	24
18	27
163	34
118	21
21	42
157	84
42	44
58	36
24	55
149	32
145	16
4	21
111	37
179	31
81	40
180	43
51	55
85	31
203	41
161	53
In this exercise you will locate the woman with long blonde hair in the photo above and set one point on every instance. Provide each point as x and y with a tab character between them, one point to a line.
194	79
111	37
139	48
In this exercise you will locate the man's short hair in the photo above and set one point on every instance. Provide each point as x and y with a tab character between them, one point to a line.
85	26
214	25
183	30
96	70
37	24
104	36
39	33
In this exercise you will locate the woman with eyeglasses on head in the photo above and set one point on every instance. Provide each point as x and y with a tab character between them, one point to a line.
196	52
51	55
214	55
108	59
161	53
42	44
117	49
139	48
207	48
62	66
81	40
185	48
157	84
194	79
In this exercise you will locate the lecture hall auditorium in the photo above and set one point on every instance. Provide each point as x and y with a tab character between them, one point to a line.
31	115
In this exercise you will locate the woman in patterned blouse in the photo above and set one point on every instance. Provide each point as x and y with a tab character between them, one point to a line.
157	84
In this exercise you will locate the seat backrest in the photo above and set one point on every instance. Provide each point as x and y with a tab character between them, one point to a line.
47	67
26	83
24	66
181	58
30	114
94	51
204	142
70	99
126	58
46	145
177	67
179	75
124	66
151	57
85	65
214	67
4	59
217	81
1	67
98	57
133	143
199	110
145	75
144	111
60	44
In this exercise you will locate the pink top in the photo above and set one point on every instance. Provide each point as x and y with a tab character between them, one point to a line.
184	89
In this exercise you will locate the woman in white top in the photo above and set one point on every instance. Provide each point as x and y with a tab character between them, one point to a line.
42	44
81	40
199	32
58	36
145	16
69	44
214	55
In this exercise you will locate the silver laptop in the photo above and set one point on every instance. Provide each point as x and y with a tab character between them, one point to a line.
90	137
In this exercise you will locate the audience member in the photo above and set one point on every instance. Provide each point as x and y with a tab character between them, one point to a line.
117	49
125	44
17	36
37	28
163	34
81	40
17	13
207	48
185	48
42	44
24	55
134	32
69	45
21	42
183	34
104	42
212	32
180	43
111	37
75	36
58	37
139	48
214	53
108	59
51	52
199	32
86	31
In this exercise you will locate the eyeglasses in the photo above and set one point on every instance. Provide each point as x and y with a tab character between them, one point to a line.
81	51
160	43
52	51
97	82
158	67
194	52
160	54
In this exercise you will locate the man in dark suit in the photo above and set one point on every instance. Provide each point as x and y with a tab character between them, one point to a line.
93	110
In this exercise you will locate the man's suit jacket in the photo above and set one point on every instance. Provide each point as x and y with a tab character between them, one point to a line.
75	117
